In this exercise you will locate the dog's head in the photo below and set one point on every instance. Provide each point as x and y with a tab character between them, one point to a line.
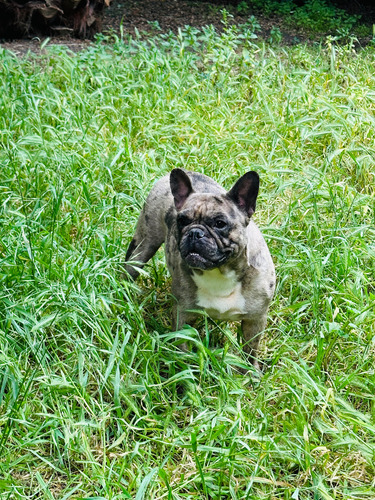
212	227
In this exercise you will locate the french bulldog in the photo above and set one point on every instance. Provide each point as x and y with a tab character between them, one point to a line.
216	255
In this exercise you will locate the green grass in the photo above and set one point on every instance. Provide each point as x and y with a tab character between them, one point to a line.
96	399
311	16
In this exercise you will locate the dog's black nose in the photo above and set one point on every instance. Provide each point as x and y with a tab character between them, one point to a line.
196	233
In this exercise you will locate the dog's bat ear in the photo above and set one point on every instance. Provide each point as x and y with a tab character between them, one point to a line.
180	186
244	193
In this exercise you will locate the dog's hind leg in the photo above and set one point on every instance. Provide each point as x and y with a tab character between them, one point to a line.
151	228
146	241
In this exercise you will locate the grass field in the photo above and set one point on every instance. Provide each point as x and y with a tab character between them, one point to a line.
96	400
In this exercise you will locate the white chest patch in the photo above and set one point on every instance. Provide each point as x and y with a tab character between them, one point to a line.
219	294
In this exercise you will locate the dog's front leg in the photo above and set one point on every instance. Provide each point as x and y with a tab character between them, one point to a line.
179	319
252	330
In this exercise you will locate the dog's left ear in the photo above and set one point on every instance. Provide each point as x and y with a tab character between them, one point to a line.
180	186
244	193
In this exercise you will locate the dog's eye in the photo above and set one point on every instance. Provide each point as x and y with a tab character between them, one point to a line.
183	220
220	224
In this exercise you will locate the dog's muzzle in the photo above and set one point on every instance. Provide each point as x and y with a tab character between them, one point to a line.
199	250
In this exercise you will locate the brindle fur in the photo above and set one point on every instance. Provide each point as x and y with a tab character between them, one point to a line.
249	261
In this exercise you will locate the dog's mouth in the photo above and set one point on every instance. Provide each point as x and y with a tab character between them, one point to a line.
194	260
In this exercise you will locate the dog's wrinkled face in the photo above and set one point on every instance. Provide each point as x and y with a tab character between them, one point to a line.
209	235
212	228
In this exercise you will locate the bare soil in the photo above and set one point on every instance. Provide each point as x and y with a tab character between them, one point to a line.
169	15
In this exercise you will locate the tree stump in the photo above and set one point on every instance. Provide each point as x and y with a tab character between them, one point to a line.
25	18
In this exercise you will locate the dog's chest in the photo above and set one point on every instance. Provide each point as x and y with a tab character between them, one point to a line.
220	294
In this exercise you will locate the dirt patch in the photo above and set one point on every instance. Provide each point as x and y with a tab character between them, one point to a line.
170	15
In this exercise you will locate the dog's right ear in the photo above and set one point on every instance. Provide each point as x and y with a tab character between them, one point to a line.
180	186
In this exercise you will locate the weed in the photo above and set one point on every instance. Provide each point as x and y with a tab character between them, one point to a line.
314	16
275	36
